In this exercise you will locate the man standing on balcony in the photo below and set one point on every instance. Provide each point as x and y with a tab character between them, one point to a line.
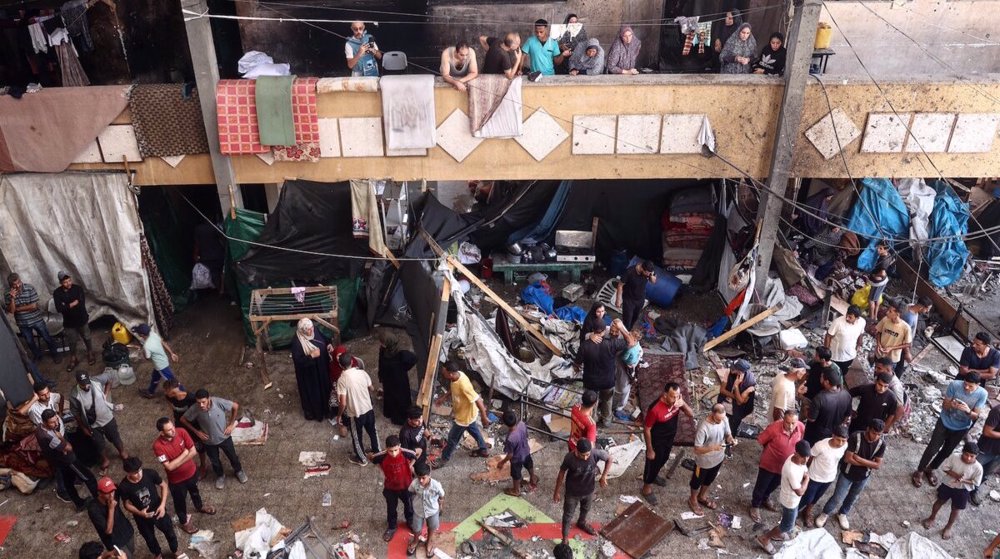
543	51
361	51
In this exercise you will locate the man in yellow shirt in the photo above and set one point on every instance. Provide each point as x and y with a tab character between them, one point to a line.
466	406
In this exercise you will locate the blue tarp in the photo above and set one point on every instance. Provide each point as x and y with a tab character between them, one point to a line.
950	218
535	294
879	199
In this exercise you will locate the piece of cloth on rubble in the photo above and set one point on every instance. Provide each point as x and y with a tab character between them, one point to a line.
74	16
688	338
788	265
774	294
949	220
408	111
46	131
273	102
237	108
305	115
495	109
166	123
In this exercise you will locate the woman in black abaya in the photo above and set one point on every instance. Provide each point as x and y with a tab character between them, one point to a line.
310	354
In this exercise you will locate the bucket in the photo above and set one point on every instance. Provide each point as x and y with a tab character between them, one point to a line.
824	34
119	333
486	268
126	375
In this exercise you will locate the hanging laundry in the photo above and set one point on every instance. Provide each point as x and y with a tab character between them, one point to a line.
69	62
39	41
306	123
166	122
74	16
408	111
274	110
495	108
362	193
237	108
688	43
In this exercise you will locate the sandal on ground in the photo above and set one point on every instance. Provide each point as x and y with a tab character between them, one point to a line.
755	515
696	509
432	552
927	523
916	479
207	509
931	478
411	548
709	504
767	545
72	365
510	491
387	536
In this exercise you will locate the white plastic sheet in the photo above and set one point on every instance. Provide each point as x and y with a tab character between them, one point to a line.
919	199
915	546
84	223
815	544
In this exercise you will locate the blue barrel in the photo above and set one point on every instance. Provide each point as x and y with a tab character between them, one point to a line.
619	261
663	292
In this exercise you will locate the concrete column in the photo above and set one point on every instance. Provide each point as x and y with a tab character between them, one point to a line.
272	191
802	37
206	74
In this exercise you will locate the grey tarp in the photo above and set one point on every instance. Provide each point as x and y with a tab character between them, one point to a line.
915	546
486	355
84	223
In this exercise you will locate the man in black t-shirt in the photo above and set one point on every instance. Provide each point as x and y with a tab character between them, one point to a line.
830	408
865	450
876	401
598	354
413	434
112	527
631	294
503	55
579	471
980	357
144	494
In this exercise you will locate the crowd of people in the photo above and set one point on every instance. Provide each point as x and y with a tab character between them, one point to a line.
820	433
733	50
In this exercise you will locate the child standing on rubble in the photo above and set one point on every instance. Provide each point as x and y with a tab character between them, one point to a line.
518	454
429	497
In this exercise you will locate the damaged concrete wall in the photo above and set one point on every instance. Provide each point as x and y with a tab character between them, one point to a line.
960	35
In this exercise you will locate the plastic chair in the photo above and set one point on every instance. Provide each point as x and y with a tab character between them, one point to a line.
394	61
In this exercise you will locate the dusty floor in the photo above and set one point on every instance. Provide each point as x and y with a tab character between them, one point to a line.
209	341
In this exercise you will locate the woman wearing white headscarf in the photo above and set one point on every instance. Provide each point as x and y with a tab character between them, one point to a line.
311	356
739	51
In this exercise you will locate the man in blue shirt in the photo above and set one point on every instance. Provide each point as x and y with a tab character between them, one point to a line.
963	403
543	51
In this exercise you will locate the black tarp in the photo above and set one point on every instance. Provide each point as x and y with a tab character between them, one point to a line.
988	218
13	374
512	206
312	217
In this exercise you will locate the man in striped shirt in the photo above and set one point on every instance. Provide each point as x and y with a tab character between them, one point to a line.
21	300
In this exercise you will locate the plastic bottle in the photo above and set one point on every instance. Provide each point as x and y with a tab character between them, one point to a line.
327	499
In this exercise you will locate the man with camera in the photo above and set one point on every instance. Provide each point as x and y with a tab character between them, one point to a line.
361	51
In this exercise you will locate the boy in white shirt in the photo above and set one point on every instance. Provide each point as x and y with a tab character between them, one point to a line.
826	456
963	473
428	502
794	483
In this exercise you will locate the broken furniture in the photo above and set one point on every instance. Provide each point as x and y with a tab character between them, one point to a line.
289	304
505	263
637	530
558	400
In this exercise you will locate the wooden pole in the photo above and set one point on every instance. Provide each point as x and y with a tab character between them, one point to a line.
430	371
743	326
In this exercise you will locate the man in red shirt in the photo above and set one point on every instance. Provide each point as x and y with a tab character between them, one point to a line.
396	463
779	441
175	449
582	424
660	430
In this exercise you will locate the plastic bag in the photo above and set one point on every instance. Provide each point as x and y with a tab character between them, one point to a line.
860	297
201	277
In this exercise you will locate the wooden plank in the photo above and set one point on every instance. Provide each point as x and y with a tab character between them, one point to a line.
273	317
741	327
523	322
433	354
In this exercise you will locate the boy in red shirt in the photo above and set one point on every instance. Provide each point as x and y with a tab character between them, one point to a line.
175	450
582	424
396	463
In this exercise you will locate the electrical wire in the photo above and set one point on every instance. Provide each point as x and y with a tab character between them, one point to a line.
656	22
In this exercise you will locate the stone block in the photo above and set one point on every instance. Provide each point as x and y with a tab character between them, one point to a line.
638	134
594	134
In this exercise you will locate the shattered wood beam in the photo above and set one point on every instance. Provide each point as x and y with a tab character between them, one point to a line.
741	327
437	324
530	328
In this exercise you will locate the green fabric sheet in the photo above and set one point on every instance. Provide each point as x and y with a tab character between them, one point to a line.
274	110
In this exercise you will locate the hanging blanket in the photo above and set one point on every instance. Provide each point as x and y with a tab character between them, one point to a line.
166	124
353	83
950	219
495	109
361	195
45	131
305	117
408	111
237	105
163	306
273	98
